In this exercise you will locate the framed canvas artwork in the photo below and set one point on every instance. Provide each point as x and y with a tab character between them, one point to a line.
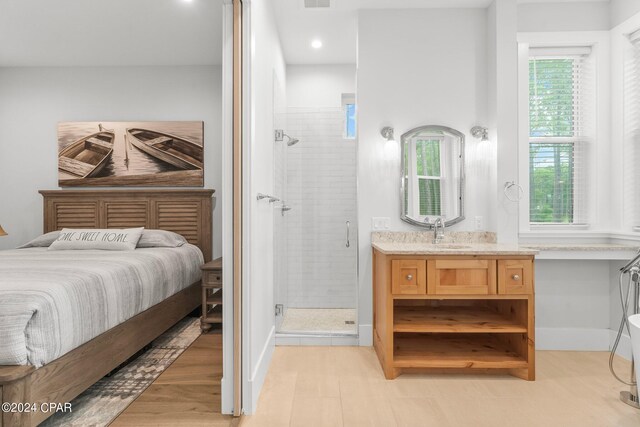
147	154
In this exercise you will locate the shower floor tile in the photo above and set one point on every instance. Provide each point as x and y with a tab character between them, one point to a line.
319	321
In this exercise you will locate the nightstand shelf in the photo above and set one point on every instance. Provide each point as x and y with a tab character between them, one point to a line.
214	315
215	297
211	295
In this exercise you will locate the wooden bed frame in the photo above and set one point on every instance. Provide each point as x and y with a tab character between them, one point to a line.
188	212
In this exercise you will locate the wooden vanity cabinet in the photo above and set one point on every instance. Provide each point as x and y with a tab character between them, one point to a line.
454	313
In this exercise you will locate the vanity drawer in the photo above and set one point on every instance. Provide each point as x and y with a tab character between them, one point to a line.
408	277
515	276
464	276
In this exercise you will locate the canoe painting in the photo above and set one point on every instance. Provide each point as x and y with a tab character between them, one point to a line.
87	156
171	149
148	154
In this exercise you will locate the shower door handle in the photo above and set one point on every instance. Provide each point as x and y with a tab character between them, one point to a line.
348	243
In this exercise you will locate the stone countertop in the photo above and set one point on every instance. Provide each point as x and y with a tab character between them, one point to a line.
591	247
414	248
484	243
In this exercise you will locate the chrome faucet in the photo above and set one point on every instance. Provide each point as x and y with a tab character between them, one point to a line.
438	230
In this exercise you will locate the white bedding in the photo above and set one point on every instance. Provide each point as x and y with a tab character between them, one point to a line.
51	302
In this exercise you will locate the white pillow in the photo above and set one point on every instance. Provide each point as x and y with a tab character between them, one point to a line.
42	241
112	239
160	239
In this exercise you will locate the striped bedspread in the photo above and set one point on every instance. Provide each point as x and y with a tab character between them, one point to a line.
51	302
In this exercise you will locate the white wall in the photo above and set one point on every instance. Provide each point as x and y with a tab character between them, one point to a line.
621	10
502	111
267	66
622	166
34	100
319	85
564	16
572	305
443	82
615	308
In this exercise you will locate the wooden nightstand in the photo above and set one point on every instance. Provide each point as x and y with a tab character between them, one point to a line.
211	295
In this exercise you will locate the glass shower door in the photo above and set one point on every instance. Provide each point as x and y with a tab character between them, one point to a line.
316	241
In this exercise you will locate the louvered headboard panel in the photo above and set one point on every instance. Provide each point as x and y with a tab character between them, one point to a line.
187	212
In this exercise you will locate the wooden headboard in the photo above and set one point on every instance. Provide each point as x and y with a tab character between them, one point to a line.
186	212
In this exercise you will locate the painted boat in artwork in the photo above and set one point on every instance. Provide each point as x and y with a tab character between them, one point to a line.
175	150
86	157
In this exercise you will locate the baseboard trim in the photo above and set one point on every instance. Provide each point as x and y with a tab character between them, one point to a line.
573	339
260	372
365	335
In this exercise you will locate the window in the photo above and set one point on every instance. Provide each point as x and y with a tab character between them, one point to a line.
632	123
349	108
560	118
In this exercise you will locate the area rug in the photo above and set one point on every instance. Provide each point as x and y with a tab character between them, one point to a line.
105	400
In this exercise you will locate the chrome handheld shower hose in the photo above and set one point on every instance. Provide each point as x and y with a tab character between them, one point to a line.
634	277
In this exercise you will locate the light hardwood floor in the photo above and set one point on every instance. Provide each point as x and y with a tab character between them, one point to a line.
186	394
345	386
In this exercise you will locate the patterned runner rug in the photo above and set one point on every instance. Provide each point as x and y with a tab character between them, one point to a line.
105	400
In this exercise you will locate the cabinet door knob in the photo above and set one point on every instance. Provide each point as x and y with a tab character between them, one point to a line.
516	277
409	277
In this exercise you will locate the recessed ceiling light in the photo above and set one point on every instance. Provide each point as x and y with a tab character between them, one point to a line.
188	1
316	44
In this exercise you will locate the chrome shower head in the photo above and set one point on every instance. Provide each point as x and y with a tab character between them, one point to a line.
279	136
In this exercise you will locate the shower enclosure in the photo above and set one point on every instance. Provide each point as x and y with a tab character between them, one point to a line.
315	226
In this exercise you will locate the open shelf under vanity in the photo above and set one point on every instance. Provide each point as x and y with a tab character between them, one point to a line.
454	314
458	350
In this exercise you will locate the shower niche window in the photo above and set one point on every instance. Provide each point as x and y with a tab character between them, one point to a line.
349	109
316	241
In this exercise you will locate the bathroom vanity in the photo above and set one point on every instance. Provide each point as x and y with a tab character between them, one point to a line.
452	307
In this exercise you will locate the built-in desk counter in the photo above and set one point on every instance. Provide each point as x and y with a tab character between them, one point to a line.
583	251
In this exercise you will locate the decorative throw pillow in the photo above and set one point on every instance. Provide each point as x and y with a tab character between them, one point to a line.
113	239
160	239
42	241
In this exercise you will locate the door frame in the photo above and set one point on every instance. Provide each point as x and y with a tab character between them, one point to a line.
231	384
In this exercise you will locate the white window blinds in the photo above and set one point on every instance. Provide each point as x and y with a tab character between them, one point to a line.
561	117
632	124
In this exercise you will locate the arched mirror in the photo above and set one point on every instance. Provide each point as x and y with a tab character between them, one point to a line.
432	176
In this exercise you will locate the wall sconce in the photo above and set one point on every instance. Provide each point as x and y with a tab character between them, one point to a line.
480	132
387	133
2	232
390	149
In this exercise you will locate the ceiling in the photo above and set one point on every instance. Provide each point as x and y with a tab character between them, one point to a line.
175	32
110	32
337	26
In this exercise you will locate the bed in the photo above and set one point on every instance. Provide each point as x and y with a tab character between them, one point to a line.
70	348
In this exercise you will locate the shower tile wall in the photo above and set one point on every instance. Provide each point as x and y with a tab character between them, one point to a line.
321	189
